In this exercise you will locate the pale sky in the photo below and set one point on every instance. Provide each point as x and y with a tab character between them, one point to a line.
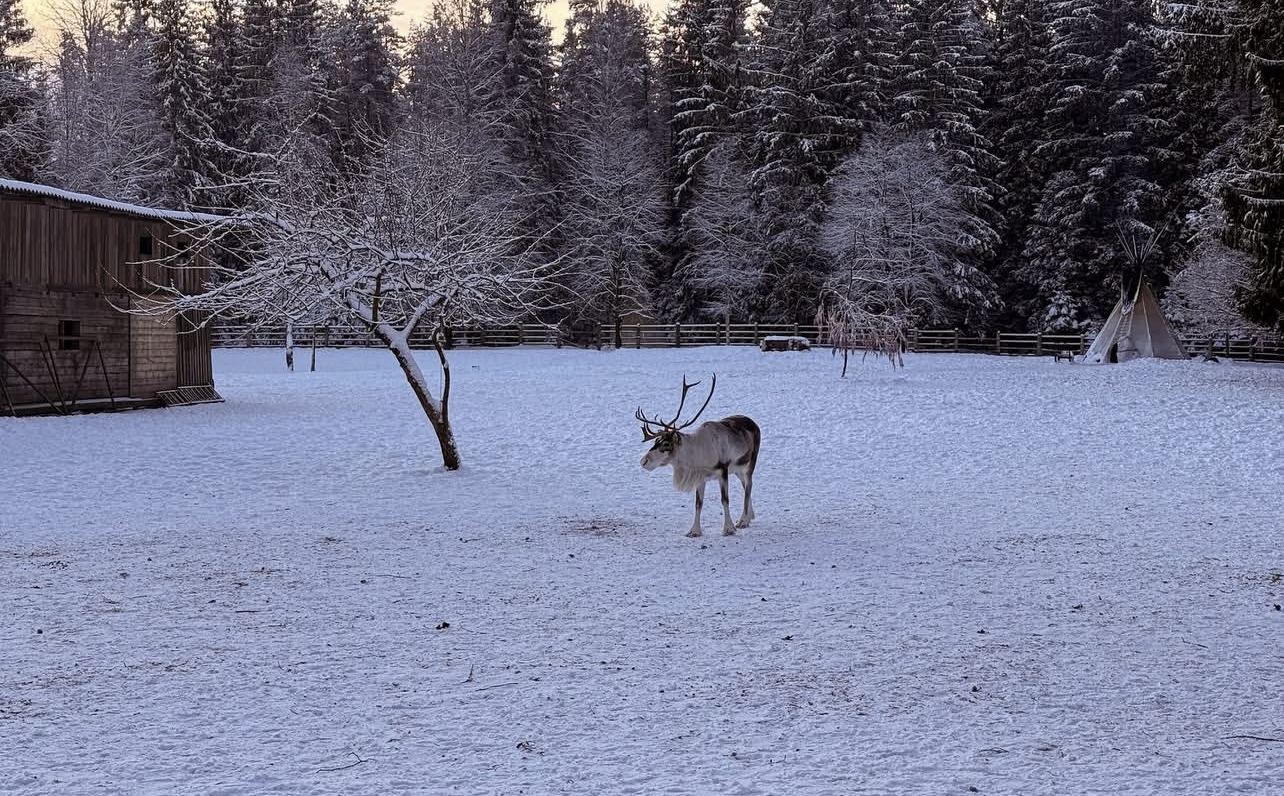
411	11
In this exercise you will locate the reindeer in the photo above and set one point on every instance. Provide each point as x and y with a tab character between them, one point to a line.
713	450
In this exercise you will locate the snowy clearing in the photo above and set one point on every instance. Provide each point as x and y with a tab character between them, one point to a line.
1004	576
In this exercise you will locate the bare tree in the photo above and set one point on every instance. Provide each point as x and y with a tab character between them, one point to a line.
1204	295
611	189
614	222
724	235
419	242
105	139
897	231
1207	286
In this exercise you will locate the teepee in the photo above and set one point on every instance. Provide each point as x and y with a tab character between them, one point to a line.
1136	328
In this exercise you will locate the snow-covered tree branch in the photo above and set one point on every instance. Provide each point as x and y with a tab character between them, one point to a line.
416	243
896	231
613	206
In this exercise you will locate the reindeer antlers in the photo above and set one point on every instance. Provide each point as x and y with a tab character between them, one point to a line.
713	386
661	426
647	433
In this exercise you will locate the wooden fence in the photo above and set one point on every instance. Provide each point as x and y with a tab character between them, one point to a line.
1264	349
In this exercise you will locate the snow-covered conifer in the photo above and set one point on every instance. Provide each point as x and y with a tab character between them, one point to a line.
21	134
1019	93
366	76
1107	141
180	94
1255	196
936	88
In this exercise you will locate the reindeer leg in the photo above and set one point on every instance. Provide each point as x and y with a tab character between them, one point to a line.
727	528
746	516
695	526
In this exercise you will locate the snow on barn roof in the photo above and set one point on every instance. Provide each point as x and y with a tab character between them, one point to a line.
34	189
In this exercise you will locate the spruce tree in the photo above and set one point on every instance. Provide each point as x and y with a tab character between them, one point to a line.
256	51
222	58
702	74
937	83
701	78
520	111
1018	95
365	80
520	101
1108	138
21	141
800	128
181	100
1255	198
300	69
864	50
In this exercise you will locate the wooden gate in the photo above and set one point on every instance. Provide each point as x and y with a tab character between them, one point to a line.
195	368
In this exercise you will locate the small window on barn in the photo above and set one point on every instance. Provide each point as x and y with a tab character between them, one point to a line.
145	244
68	335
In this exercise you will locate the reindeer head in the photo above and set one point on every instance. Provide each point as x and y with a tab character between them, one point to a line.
668	433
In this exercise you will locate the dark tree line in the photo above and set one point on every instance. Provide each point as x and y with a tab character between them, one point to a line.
710	165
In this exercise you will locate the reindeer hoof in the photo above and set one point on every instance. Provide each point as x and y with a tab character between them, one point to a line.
742	524
728	531
693	533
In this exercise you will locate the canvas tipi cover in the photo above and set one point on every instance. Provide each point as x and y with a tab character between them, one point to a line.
1136	328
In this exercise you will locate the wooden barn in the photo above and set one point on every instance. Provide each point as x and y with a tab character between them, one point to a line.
69	264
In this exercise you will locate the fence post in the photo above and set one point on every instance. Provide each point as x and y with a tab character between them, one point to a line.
998	342
637	332
1038	344
795	330
956	339
677	335
755	333
519	334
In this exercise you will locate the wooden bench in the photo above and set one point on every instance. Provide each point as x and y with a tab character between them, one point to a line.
785	343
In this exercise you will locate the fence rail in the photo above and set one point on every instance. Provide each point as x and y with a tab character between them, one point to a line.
644	335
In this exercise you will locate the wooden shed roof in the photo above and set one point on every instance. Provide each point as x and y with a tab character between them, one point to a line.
84	199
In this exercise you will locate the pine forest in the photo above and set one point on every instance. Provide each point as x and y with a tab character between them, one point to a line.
978	164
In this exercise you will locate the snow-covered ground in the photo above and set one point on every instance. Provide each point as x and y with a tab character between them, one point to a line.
1000	576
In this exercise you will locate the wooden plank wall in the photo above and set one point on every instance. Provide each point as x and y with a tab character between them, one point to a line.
154	355
47	243
32	316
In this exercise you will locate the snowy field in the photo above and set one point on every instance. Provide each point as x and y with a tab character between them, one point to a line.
974	575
